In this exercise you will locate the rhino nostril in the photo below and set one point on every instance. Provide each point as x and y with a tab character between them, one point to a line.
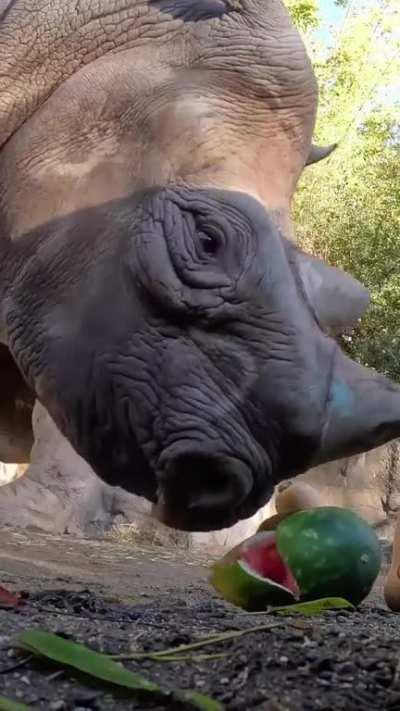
214	482
197	489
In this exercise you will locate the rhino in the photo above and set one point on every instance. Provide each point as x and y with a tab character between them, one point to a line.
152	295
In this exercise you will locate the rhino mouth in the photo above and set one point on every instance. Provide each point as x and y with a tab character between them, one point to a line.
199	491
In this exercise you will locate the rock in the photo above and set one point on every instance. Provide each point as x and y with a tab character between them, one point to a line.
60	493
7	473
368	484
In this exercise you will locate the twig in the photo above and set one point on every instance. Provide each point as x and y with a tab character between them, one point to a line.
268	611
396	676
56	675
216	639
17	665
89	616
185	657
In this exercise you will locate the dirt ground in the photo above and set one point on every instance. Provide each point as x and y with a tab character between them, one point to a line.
119	599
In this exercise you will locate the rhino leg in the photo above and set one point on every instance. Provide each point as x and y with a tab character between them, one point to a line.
16	403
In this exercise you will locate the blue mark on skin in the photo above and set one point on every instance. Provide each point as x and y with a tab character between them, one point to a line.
342	398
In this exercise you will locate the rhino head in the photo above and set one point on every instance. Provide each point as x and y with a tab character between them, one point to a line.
151	296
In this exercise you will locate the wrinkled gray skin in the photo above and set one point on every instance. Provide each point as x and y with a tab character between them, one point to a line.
149	290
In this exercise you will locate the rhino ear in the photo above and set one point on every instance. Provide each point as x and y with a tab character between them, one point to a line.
337	299
318	153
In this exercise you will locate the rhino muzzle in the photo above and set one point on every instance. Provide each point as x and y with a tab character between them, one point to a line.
219	489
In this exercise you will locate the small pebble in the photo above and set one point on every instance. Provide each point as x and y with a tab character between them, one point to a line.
347	668
57	705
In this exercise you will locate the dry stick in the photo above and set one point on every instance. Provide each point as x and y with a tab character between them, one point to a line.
89	616
396	677
17	665
216	639
268	611
186	657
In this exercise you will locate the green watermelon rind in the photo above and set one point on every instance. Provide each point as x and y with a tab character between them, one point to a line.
241	586
331	552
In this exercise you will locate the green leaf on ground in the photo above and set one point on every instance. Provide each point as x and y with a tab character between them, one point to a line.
10	705
200	701
81	658
314	607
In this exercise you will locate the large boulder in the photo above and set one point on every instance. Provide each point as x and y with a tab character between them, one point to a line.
10	472
369	484
60	493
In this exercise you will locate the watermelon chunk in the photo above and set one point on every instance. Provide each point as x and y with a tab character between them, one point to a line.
312	554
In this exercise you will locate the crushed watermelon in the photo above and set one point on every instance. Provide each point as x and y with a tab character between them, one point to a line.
264	558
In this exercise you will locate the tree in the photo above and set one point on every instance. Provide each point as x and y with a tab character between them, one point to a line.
304	14
347	208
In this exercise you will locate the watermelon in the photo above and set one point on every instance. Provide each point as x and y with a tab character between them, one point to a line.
331	552
311	554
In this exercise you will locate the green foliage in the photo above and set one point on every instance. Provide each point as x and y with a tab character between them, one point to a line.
347	208
304	13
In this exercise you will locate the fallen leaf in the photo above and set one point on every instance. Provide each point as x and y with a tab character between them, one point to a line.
315	607
10	705
8	599
200	701
101	666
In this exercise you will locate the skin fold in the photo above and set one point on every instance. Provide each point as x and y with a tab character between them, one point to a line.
150	292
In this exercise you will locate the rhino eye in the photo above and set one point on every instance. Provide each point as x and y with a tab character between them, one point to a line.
209	244
211	239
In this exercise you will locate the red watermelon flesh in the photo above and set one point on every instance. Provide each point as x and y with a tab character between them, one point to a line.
263	557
